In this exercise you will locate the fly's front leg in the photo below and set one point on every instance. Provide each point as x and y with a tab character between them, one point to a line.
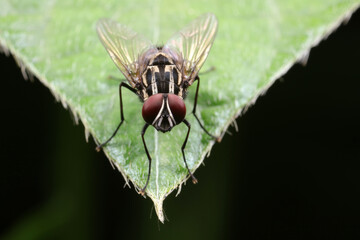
194	111
194	180
122	84
142	191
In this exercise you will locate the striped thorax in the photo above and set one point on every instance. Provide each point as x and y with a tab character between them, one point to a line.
161	76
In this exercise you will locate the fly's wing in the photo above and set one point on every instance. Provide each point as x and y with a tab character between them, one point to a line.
125	47
192	44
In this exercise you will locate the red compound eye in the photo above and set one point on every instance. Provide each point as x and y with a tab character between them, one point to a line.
152	107
177	107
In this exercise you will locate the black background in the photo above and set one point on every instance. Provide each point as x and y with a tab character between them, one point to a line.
290	172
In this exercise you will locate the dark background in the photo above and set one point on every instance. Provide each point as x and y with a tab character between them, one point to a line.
291	172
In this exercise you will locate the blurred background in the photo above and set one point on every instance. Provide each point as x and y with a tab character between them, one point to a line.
290	172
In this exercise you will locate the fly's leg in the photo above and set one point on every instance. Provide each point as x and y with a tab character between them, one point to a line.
194	180
194	111
122	84
111	77
142	191
212	68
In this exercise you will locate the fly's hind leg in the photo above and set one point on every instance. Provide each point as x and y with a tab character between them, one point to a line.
212	68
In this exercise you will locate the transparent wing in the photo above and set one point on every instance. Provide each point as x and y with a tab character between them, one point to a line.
192	44
125	47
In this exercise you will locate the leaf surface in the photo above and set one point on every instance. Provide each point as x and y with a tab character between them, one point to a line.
257	42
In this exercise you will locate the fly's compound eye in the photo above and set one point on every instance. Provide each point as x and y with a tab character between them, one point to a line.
177	107
152	107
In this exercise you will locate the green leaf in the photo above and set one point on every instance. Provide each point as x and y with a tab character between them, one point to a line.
257	42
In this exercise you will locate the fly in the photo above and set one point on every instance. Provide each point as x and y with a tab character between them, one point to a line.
160	76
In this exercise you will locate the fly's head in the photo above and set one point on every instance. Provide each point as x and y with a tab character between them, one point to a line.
164	111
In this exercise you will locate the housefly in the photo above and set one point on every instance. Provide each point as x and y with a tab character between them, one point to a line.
160	76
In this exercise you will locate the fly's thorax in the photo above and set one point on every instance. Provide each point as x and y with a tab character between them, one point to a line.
164	111
161	76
